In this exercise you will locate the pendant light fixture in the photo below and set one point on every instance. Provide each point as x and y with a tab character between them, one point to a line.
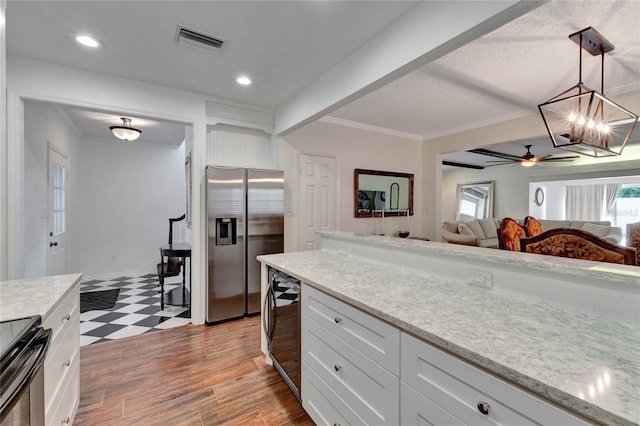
583	120
125	132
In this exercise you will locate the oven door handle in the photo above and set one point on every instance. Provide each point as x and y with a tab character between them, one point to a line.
42	338
275	315
266	313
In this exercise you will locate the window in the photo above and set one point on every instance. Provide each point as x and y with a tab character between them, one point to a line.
58	198
627	208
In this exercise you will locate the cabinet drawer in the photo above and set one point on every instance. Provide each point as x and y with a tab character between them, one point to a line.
374	338
415	409
61	361
64	411
61	317
458	387
322	404
370	390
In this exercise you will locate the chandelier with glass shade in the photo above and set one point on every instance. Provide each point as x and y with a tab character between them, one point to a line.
125	132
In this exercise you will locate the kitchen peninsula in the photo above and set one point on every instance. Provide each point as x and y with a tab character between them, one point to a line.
499	336
56	299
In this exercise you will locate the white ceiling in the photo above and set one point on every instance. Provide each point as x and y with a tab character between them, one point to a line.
286	45
282	45
96	124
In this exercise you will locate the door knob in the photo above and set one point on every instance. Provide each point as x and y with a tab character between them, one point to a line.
484	407
53	243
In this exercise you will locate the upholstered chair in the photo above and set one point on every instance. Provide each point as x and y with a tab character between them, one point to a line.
578	244
509	234
633	238
532	227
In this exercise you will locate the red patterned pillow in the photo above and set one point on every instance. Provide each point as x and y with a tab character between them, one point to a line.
509	234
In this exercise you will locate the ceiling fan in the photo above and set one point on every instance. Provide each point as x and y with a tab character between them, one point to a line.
527	160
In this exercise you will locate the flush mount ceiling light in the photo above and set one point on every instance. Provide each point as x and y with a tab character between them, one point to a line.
85	40
243	80
125	132
583	120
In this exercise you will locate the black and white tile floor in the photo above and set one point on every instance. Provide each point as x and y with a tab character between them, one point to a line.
136	311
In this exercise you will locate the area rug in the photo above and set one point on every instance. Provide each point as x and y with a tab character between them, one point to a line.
97	300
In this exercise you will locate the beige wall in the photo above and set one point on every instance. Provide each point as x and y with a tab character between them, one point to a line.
353	149
511	182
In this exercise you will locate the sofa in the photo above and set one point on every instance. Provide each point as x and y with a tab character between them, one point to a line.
483	232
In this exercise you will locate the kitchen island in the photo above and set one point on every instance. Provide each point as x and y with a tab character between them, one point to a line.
56	299
561	330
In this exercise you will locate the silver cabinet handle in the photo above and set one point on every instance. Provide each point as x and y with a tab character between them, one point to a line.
337	367
66	420
484	407
66	317
337	320
66	364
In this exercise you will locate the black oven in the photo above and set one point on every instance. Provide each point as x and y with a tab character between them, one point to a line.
282	326
23	347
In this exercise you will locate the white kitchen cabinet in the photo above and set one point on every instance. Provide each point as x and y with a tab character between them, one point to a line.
349	364
340	354
369	335
416	409
468	393
62	364
323	404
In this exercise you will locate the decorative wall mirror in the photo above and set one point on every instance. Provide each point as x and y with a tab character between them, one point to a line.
376	191
475	200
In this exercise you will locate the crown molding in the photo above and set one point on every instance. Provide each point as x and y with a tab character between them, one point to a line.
370	128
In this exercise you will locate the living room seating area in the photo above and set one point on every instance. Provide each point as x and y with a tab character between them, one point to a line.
483	232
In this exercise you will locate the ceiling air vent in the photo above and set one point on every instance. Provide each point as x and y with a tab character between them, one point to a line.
195	39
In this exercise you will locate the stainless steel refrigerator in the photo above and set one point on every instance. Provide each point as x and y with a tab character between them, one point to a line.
245	218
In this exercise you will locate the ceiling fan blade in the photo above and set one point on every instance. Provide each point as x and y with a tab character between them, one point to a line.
502	161
490	153
570	158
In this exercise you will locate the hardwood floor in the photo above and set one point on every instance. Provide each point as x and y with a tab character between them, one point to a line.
190	375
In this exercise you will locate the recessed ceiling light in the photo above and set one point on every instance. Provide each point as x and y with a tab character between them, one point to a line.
87	41
244	80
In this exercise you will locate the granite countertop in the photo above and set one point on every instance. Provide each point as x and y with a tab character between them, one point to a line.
604	271
587	363
34	296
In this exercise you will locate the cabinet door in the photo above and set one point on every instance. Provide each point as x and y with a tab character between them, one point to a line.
322	404
475	397
416	409
370	390
371	336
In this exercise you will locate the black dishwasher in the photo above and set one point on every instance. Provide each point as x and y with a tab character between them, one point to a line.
282	326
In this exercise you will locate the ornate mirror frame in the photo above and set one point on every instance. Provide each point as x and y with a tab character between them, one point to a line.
406	196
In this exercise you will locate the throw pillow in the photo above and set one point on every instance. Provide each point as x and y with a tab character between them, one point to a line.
464	230
597	230
450	226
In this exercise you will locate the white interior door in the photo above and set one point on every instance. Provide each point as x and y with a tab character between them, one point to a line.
318	198
58	200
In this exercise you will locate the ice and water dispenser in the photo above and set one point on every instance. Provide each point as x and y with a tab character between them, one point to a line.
225	231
